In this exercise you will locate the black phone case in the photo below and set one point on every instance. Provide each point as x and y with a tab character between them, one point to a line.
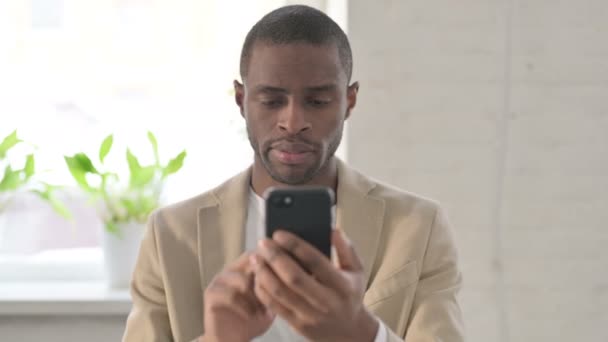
309	215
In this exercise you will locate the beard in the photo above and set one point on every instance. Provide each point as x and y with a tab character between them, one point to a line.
295	175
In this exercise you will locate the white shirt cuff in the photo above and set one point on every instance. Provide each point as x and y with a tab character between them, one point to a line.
381	334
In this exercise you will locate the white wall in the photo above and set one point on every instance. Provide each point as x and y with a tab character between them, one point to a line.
499	109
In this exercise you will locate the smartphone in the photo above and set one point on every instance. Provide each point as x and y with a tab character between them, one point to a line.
306	212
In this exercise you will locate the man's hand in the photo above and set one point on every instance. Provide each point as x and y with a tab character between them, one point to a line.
319	300
232	312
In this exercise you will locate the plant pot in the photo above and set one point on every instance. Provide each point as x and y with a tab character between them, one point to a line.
5	202
120	253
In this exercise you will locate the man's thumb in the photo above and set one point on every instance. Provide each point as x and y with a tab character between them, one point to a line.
347	256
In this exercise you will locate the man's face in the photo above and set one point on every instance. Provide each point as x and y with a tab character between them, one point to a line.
295	99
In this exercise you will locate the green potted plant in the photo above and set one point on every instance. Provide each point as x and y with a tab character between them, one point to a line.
123	205
14	180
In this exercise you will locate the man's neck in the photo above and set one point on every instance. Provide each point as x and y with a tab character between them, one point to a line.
261	180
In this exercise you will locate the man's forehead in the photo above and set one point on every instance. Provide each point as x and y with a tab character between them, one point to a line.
294	54
277	89
306	64
268	44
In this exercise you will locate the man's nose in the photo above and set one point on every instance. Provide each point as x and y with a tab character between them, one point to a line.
293	119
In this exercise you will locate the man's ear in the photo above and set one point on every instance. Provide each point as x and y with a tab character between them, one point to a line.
239	96
351	98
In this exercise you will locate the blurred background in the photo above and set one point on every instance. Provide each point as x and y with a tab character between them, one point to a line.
497	109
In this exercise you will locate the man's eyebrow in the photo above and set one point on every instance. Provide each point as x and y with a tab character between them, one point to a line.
266	89
322	88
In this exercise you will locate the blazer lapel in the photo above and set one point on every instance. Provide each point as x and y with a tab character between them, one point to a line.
360	215
221	224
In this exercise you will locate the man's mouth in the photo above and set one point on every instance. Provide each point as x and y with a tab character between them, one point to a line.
291	153
291	157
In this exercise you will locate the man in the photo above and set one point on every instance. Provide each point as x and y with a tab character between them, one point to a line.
395	276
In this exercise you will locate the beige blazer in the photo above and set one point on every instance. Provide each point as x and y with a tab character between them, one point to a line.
404	241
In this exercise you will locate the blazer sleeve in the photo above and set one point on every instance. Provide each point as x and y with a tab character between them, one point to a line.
149	318
436	315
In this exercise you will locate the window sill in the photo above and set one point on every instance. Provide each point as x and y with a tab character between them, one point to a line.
60	265
62	298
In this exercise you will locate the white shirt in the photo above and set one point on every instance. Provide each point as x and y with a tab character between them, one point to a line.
254	231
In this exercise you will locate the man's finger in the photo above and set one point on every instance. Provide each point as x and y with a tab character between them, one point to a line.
311	259
223	297
293	275
278	291
243	283
241	264
347	256
272	306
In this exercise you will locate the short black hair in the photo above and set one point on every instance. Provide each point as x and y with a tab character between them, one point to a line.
297	24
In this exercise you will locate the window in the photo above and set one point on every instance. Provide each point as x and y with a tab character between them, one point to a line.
75	71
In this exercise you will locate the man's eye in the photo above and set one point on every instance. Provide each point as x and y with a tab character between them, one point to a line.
318	102
272	103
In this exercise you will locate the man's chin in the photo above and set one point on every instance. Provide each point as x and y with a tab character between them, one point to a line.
291	174
291	178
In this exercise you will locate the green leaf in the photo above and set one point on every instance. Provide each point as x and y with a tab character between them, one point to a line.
85	163
11	179
129	205
82	162
143	176
78	173
81	179
154	143
140	176
134	165
106	145
148	204
111	175
29	166
56	204
60	208
8	142
42	194
174	164
79	165
112	228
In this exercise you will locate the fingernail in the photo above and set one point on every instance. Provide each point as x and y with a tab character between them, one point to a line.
253	260
263	244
